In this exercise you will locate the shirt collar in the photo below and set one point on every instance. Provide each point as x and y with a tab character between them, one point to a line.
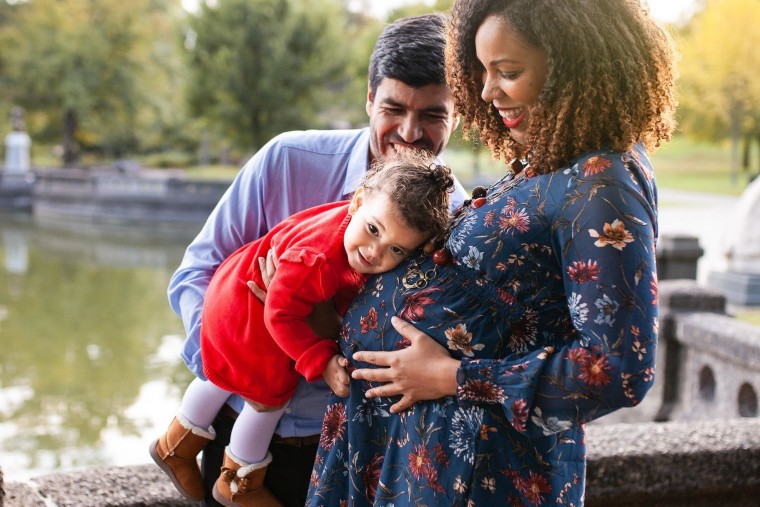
358	162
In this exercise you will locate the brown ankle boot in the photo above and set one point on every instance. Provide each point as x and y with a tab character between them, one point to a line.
176	452
242	484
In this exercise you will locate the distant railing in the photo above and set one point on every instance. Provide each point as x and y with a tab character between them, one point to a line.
148	198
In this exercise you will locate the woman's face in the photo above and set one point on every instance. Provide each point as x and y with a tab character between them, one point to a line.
513	73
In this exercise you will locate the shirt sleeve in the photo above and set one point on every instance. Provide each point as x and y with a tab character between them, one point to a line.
303	279
604	241
238	218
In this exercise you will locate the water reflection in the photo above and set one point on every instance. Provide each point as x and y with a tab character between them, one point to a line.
88	362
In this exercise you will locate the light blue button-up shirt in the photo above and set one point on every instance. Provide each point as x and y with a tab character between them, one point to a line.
294	171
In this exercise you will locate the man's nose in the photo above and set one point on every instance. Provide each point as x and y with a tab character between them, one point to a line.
410	130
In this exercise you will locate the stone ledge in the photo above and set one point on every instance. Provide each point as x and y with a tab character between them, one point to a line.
128	486
705	463
724	337
630	465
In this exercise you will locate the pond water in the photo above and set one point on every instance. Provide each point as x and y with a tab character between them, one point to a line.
89	365
89	349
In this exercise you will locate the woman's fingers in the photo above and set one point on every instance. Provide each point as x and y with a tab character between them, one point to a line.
405	329
399	371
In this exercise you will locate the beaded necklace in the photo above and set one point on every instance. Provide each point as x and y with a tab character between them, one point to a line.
437	246
418	278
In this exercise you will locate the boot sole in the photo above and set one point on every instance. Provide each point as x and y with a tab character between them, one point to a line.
170	473
219	498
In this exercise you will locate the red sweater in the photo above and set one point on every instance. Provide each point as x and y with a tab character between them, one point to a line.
258	350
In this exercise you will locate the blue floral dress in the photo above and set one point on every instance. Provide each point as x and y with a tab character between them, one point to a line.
551	305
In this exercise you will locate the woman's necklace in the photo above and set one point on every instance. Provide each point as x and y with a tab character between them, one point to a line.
437	246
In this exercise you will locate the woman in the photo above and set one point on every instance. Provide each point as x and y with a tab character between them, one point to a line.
542	301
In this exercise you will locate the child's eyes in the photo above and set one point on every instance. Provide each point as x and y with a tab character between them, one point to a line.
396	250
372	229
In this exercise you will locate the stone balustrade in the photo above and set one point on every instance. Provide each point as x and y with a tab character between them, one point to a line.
704	452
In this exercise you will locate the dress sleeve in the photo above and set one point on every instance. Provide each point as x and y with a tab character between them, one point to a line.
303	279
603	238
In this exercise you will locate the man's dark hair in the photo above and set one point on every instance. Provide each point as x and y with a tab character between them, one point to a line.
410	50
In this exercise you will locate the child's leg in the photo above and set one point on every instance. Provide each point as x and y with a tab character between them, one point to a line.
252	432
202	401
176	451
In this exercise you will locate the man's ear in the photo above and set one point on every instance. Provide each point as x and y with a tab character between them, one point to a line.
356	201
370	99
455	123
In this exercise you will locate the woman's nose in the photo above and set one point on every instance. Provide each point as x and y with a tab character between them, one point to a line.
488	92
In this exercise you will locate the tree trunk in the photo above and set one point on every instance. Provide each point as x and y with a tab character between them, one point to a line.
70	151
735	128
746	150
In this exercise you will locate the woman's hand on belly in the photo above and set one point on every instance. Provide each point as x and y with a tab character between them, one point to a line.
422	371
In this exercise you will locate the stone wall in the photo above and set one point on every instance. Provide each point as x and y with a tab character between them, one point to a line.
149	198
645	465
705	451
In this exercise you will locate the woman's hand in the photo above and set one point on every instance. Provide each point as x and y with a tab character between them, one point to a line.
422	371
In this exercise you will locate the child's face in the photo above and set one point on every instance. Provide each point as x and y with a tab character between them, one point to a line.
377	239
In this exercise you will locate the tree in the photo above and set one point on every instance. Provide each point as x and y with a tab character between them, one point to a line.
720	93
260	68
81	64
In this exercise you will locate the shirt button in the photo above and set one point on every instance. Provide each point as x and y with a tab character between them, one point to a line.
287	410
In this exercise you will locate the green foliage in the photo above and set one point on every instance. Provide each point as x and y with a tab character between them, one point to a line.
719	90
104	66
260	68
419	7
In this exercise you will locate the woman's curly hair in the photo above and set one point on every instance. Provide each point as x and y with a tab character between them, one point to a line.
610	79
417	186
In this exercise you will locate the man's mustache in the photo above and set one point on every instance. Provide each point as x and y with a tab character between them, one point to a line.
421	144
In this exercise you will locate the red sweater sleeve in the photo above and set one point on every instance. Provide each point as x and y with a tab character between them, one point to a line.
303	279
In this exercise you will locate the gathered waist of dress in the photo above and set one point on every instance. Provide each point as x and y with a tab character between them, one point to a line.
455	279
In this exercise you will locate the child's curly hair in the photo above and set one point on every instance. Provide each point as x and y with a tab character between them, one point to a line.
418	187
610	79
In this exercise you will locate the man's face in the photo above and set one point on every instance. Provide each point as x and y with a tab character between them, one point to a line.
402	117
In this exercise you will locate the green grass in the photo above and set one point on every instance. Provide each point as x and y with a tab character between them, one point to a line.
213	172
750	316
685	164
682	164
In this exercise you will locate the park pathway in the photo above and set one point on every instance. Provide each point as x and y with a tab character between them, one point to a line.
705	216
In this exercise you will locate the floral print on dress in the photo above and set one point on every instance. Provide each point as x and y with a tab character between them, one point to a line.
551	305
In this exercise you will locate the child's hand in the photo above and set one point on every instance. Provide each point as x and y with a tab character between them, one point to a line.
336	375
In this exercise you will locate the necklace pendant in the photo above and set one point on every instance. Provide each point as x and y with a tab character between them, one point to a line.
477	203
441	257
479	192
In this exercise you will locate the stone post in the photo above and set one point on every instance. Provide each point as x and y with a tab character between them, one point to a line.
678	296
677	257
17	145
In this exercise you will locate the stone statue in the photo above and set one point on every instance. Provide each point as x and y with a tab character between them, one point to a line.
740	282
17	145
743	240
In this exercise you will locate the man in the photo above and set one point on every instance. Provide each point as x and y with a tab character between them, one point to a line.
409	106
